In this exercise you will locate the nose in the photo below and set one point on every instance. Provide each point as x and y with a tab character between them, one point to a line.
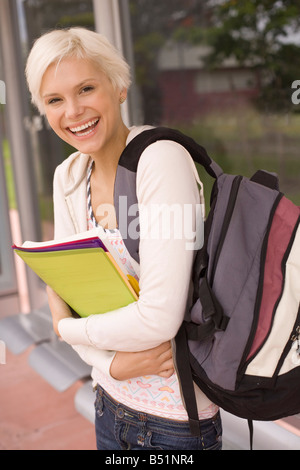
73	109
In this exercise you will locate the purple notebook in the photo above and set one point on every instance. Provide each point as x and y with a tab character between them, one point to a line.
94	242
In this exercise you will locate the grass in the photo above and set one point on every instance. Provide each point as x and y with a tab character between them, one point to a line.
241	142
245	141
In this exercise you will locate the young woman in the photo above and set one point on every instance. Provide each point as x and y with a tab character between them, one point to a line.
79	81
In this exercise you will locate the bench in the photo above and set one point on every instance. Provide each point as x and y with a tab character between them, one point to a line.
51	358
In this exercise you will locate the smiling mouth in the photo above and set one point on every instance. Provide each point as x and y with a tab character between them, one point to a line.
85	129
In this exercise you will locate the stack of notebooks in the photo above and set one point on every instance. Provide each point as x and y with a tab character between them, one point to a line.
85	270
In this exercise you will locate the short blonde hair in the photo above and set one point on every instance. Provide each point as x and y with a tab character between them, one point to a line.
81	43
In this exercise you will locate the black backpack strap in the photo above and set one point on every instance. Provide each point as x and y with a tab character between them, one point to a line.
250	426
186	380
132	152
213	315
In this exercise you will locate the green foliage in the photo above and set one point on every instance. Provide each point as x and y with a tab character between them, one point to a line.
259	34
9	175
82	19
146	49
243	143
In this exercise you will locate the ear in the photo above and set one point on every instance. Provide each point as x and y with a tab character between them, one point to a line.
123	95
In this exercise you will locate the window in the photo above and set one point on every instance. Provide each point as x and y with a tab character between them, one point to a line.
7	271
35	18
222	72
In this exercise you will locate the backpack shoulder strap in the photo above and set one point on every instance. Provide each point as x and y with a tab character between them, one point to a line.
132	152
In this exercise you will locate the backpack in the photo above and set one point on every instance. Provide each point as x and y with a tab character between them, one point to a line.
240	339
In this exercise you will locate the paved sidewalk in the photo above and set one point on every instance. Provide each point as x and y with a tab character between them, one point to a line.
34	416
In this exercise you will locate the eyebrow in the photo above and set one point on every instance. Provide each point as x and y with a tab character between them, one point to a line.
48	95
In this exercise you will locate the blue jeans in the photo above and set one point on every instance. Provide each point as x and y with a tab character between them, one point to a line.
121	428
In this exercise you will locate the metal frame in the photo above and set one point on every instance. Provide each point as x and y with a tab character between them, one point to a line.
107	22
15	109
112	19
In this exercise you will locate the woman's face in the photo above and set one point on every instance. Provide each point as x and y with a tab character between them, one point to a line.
81	105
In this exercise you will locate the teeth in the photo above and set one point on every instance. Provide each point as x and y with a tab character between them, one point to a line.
85	126
86	133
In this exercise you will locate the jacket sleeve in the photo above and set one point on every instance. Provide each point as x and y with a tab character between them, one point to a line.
94	357
168	199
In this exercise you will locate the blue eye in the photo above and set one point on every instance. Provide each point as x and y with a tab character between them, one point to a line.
86	89
54	100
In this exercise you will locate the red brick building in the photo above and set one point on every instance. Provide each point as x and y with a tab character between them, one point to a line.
189	90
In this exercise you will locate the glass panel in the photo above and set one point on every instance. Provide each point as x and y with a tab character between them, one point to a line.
35	18
222	71
7	270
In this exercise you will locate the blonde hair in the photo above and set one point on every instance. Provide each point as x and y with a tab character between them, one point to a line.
81	43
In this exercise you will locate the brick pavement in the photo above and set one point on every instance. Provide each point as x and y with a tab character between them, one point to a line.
34	416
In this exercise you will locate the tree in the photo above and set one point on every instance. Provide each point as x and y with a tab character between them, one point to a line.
261	34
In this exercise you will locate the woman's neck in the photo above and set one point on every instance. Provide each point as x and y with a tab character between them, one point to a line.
106	161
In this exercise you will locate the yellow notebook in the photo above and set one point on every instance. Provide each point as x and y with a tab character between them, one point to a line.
82	272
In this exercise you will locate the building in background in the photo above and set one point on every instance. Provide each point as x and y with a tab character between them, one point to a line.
189	90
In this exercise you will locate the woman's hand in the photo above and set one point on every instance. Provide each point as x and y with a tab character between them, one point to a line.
156	361
59	308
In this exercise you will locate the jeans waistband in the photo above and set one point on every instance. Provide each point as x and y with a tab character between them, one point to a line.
123	411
